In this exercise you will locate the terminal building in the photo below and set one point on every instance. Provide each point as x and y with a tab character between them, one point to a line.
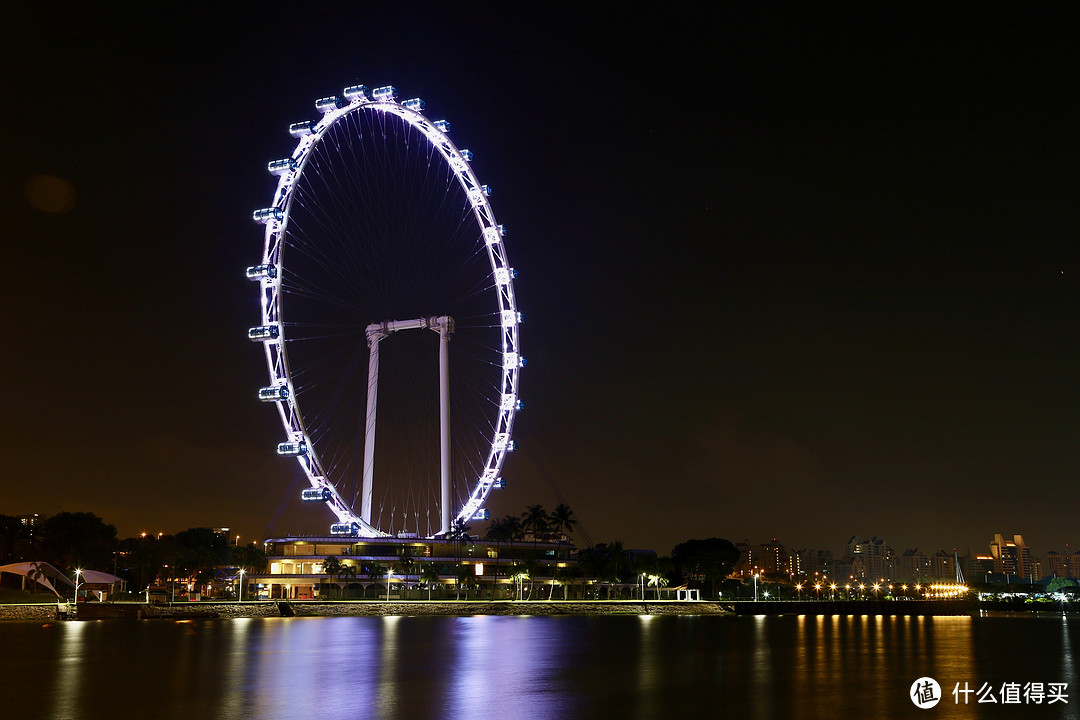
333	567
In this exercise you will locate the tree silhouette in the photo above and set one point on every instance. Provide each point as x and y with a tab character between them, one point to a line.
709	560
78	540
535	520
562	519
429	576
332	567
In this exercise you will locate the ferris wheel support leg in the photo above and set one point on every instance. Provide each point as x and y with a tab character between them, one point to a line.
444	423
369	425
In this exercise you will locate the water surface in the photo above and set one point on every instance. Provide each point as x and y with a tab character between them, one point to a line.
789	667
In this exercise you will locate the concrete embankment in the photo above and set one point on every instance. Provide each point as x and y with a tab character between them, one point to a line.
301	608
42	612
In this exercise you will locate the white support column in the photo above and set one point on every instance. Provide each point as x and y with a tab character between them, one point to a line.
375	333
444	421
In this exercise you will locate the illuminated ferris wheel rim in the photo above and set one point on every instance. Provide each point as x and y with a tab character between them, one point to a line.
272	332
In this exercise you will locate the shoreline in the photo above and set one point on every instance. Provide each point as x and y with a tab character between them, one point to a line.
49	612
53	612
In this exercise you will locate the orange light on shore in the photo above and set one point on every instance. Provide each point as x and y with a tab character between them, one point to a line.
946	590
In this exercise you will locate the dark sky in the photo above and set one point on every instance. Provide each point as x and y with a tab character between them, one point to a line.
785	274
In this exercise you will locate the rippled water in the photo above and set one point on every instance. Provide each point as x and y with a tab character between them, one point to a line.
530	667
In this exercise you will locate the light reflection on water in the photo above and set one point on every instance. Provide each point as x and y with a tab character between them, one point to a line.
789	667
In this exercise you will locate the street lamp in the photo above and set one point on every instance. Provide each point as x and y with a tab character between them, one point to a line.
755	586
241	573
389	577
78	572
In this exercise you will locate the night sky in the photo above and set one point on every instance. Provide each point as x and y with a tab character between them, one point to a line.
784	274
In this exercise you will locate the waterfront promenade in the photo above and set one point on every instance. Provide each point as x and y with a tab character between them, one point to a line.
48	612
854	607
330	608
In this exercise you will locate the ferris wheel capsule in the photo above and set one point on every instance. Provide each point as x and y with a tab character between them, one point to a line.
315	495
280	167
264	332
261	272
274	393
292	448
355	92
385	93
302	129
265	215
328	104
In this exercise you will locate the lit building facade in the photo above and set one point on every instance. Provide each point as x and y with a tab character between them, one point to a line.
1013	557
877	558
1065	565
298	568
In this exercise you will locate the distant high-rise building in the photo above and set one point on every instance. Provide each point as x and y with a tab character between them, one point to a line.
1013	557
1066	564
771	558
32	521
816	561
916	566
877	557
913	566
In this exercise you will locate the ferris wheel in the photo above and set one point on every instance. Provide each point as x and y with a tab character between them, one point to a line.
387	305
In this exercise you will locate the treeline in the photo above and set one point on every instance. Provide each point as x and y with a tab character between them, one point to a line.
74	540
703	564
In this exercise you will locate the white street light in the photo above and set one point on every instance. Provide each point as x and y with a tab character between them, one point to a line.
241	585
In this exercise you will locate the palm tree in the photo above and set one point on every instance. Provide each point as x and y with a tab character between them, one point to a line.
570	573
617	556
536	520
658	581
350	572
429	576
497	532
332	568
562	519
514	528
375	571
518	574
406	565
459	533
